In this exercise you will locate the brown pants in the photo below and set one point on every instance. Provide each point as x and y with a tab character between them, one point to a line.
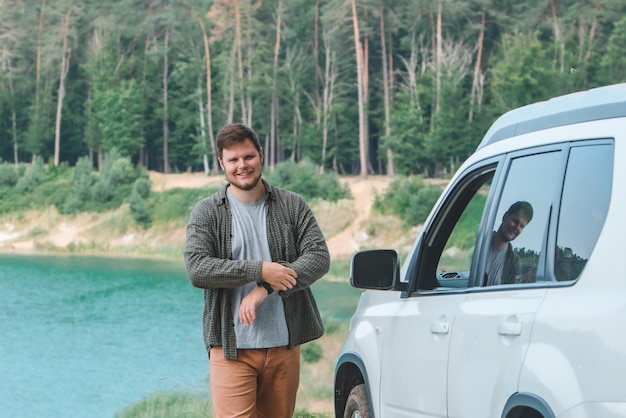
261	383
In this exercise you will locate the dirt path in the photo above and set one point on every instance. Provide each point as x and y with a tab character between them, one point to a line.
162	181
364	191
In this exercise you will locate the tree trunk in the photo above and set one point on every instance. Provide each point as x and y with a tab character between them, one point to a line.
273	111
476	78
363	145
297	120
330	75
386	90
230	115
293	70
316	61
249	69
205	157
38	59
237	45
143	154
9	71
438	58
209	102
592	33
557	37
38	67
166	128
66	54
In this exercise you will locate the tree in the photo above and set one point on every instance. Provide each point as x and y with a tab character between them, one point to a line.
522	73
10	43
614	62
361	77
209	102
387	83
69	70
66	54
274	104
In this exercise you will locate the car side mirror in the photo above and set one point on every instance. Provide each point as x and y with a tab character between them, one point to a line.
376	269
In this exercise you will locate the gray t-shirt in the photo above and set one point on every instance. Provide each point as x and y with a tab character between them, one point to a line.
250	242
495	266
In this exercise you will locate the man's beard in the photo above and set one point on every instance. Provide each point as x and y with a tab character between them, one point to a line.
247	185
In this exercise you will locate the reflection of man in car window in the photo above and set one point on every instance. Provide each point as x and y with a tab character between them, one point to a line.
503	265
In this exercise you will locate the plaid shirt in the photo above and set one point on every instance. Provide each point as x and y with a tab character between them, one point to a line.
295	241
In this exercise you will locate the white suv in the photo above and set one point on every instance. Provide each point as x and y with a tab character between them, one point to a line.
539	331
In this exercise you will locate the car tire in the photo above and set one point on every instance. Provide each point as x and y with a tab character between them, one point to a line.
358	405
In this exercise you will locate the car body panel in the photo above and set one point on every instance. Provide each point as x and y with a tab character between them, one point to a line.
419	335
491	335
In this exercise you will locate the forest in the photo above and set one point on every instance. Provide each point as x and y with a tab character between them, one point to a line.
353	86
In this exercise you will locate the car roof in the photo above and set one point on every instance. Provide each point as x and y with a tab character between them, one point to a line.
595	104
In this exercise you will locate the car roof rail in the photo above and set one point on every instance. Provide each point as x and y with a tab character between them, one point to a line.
595	104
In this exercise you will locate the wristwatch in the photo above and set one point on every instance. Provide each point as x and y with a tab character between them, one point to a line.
266	285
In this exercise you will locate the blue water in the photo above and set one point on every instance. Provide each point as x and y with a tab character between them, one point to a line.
86	336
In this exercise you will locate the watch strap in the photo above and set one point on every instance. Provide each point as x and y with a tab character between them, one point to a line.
266	285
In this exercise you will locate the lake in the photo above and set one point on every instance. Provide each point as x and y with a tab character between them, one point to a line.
87	336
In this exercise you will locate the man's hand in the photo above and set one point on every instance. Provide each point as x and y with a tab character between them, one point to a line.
247	309
278	276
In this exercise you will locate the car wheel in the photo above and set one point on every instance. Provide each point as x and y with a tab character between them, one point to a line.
358	406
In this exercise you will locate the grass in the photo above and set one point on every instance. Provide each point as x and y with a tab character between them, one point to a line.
169	405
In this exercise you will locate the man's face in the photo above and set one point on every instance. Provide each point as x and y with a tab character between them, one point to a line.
242	164
512	225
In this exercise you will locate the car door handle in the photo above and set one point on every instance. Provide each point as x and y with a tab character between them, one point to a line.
440	326
510	326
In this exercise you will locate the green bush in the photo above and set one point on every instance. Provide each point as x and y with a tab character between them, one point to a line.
37	186
102	191
8	174
115	184
118	169
312	352
83	177
137	204
73	204
142	187
303	178
408	198
31	178
82	183
176	204
138	209
421	203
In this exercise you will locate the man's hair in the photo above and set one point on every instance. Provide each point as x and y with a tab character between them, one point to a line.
236	133
524	208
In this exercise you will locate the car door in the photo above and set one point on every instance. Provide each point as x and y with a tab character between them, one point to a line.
413	369
494	324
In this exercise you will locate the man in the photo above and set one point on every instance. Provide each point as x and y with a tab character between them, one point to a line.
255	250
503	265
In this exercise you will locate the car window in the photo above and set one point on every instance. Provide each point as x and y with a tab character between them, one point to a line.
445	250
453	269
584	204
522	218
